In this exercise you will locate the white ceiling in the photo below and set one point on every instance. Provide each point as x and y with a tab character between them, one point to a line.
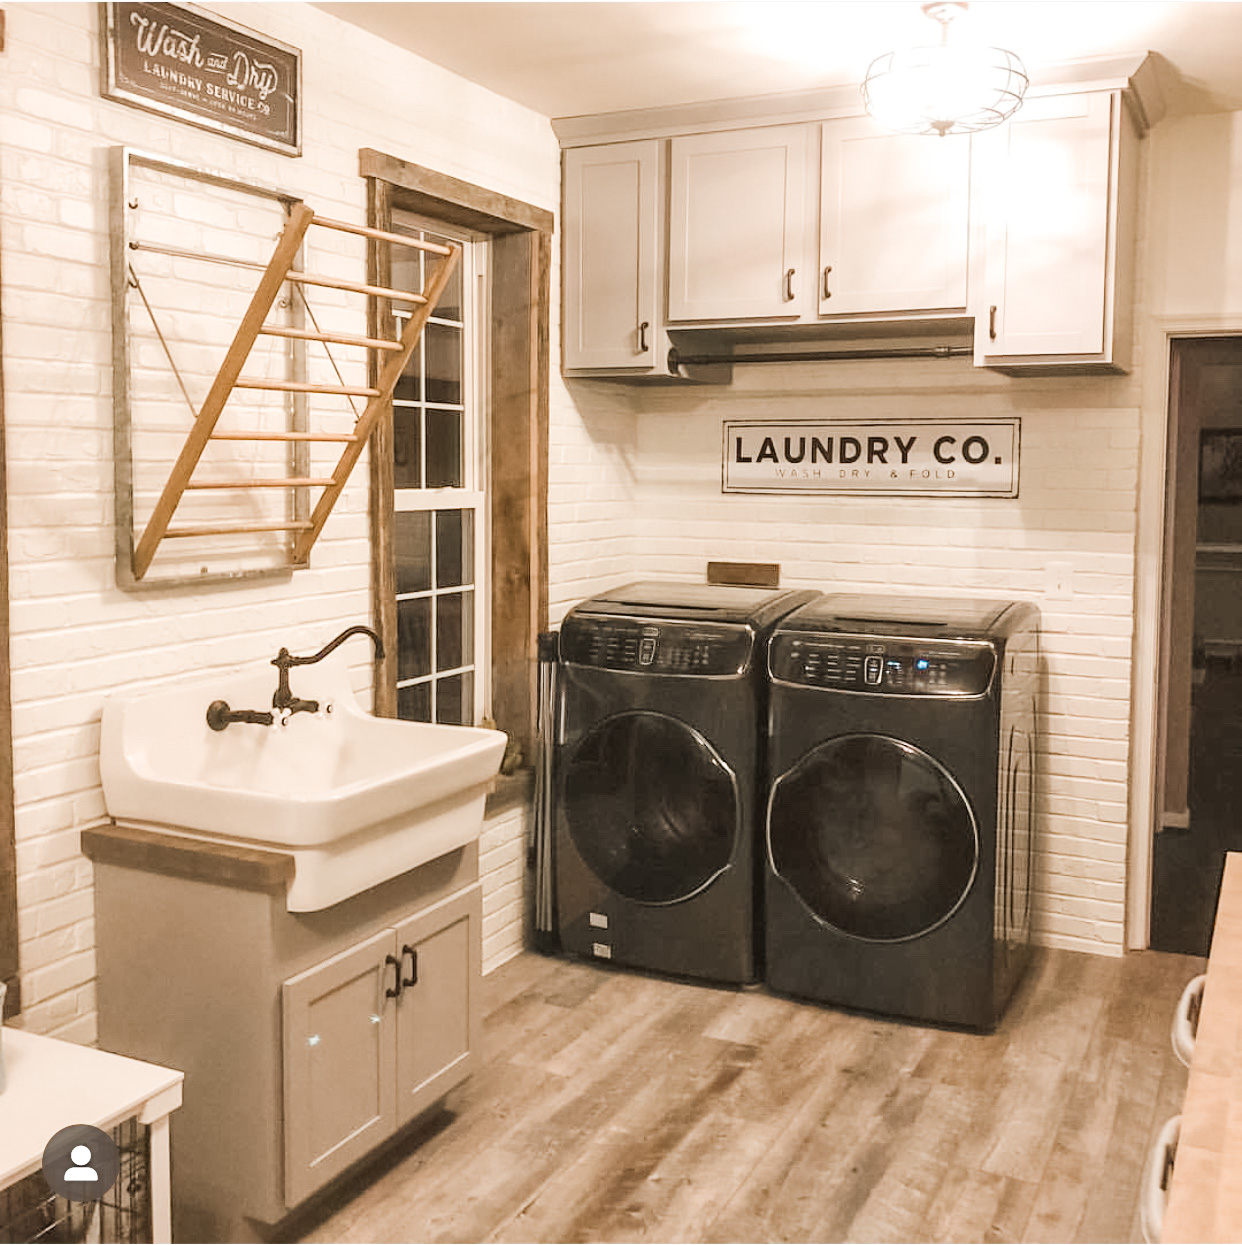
568	58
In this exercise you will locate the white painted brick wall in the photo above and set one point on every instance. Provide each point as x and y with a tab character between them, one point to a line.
75	636
1079	471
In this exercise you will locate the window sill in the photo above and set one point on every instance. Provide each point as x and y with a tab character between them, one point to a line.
511	791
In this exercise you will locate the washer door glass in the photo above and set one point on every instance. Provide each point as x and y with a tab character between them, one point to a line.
651	807
873	836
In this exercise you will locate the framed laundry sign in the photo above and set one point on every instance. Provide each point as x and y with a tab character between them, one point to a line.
177	60
893	457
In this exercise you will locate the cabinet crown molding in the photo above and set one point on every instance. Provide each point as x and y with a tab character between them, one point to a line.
1133	73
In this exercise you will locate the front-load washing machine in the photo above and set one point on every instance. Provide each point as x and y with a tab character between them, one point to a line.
900	814
662	699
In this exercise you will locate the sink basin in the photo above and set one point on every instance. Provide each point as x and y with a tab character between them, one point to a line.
355	799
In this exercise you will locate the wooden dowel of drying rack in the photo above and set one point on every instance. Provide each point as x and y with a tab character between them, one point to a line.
283	436
338	339
381	235
336	283
301	386
237	529
283	482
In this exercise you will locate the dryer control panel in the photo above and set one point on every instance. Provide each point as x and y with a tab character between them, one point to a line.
884	666
651	647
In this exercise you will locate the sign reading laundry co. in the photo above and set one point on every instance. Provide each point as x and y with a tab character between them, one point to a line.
177	60
961	458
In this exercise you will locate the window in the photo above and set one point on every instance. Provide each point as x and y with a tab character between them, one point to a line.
515	320
439	476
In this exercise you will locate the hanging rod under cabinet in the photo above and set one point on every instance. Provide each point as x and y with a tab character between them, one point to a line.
678	360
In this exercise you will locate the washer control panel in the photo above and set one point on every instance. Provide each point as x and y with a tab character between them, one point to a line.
649	647
883	665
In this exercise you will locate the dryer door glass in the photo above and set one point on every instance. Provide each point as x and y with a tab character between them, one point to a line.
874	837
651	807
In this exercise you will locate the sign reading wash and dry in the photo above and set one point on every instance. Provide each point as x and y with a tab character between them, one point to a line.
897	457
177	60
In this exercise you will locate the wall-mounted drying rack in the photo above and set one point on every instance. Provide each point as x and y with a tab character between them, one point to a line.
255	455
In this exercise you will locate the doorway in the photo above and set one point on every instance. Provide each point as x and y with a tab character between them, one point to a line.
1201	653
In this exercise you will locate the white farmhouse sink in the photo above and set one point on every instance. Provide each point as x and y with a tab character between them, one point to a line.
355	799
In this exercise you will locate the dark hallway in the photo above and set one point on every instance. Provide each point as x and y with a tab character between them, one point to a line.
1187	863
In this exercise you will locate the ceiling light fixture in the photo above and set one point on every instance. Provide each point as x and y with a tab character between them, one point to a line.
949	89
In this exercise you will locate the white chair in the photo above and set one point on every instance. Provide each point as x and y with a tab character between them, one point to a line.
1186	1019
1157	1176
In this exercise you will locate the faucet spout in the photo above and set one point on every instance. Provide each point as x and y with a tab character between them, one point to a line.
283	699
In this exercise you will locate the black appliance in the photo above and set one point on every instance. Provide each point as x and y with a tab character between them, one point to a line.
662	698
900	814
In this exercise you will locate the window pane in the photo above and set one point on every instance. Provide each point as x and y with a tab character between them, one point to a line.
442	348
409	384
449	306
454	630
454	548
413	638
407	449
455	700
414	702
413	550
444	449
406	274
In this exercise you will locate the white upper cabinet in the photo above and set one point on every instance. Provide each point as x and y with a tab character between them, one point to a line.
737	224
611	256
1059	201
894	227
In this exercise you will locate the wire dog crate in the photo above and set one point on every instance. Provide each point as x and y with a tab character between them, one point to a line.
30	1211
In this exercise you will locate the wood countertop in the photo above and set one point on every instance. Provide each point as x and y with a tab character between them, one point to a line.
1205	1198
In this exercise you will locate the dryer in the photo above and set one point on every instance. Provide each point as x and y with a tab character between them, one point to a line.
900	816
662	702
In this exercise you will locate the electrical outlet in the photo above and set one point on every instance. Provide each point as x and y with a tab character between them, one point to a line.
1059	581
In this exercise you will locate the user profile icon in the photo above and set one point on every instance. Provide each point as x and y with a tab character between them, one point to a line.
81	1163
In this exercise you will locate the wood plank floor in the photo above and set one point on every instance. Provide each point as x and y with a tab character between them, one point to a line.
613	1106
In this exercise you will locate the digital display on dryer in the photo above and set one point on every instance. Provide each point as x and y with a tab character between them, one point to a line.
674	648
896	667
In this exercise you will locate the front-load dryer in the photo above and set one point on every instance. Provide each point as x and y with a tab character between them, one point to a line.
662	700
900	814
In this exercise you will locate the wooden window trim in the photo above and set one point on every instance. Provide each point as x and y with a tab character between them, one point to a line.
517	438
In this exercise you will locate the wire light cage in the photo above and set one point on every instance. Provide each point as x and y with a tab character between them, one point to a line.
30	1211
952	88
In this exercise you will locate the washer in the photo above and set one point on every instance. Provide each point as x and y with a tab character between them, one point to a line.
900	815
662	699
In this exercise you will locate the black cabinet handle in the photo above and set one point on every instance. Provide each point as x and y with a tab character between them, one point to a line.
395	992
827	291
642	336
789	290
412	952
992	321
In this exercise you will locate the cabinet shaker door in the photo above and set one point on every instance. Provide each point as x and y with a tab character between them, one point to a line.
438	1014
339	1065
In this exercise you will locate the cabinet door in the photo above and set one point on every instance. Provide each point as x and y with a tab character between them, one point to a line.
339	1063
611	224
438	1014
894	220
1050	226
737	224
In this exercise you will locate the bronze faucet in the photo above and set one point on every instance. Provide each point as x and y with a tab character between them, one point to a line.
283	700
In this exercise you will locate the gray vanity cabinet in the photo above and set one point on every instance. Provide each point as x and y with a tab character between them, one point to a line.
298	1061
375	1035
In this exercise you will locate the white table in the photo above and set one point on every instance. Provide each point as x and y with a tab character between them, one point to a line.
51	1084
